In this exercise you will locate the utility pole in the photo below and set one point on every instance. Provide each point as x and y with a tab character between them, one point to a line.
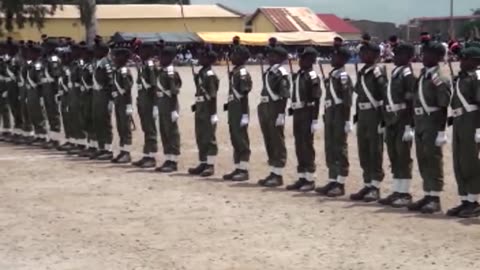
452	28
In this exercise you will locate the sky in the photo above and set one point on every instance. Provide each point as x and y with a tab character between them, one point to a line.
397	11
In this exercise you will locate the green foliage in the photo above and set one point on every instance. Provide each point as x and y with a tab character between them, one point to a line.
21	12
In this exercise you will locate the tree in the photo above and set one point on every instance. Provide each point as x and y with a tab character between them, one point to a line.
476	11
89	19
18	13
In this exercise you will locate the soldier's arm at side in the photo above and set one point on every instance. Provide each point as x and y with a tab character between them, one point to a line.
174	84
211	87
443	95
347	90
245	86
476	87
316	94
410	83
128	84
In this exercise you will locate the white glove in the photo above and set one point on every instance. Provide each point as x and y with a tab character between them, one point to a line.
129	109
477	135
110	106
441	138
244	121
213	119
280	122
408	134
380	129
315	126
348	127
155	112
5	94
174	116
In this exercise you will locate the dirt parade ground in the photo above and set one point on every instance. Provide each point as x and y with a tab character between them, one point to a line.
60	213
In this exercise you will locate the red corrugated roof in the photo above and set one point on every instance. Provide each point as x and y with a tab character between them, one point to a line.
292	19
338	25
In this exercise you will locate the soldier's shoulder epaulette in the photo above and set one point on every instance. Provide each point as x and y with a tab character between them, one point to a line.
124	70
54	58
377	71
283	71
243	71
210	73
313	74
437	79
150	63
38	66
171	70
407	71
343	77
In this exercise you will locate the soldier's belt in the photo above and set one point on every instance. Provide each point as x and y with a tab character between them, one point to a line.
200	99
162	94
7	79
97	88
329	103
396	107
301	105
421	111
461	111
363	106
47	80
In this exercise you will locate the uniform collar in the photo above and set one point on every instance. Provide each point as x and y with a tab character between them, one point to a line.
337	71
432	70
369	69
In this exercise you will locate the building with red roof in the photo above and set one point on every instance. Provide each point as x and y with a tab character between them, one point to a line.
340	26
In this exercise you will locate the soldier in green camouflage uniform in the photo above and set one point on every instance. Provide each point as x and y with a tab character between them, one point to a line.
51	72
205	108
370	87
239	113
168	86
86	78
305	110
337	119
271	114
122	97
34	74
5	124
431	100
102	104
399	125
466	133
147	111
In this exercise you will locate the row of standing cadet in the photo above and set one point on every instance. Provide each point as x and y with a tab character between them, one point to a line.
88	87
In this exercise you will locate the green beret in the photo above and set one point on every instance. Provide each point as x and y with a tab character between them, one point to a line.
434	47
342	51
309	51
241	50
279	50
404	48
169	50
370	46
471	52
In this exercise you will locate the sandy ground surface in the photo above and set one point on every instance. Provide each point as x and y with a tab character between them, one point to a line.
66	213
